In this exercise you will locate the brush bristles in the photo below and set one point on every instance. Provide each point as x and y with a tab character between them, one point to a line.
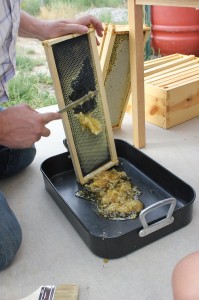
66	292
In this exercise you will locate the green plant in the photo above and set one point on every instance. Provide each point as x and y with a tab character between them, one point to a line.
28	86
35	90
27	64
32	7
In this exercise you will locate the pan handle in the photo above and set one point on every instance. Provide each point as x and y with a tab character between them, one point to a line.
147	229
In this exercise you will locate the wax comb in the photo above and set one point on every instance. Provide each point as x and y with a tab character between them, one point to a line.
115	64
75	70
51	292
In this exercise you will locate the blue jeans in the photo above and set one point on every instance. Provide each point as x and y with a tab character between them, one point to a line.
12	161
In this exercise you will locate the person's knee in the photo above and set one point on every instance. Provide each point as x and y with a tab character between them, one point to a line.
21	159
185	278
13	161
32	154
10	234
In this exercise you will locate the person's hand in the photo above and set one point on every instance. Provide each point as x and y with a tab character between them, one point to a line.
56	28
33	27
21	126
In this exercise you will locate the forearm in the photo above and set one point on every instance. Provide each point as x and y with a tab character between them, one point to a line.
47	29
30	26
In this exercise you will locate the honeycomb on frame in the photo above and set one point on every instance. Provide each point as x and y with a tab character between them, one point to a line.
75	70
115	64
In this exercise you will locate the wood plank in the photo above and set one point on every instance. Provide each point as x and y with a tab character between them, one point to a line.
183	82
178	78
184	105
102	39
169	73
107	49
182	3
135	16
156	105
155	76
161	60
167	65
183	93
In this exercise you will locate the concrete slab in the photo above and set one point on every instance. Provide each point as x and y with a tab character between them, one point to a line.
53	253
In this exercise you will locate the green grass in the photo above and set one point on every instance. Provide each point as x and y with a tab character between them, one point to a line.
33	88
27	64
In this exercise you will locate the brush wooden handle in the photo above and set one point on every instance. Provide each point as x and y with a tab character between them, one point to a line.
62	292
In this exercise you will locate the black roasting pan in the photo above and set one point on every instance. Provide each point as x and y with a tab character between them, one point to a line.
168	202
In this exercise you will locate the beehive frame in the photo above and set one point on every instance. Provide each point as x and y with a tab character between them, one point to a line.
102	39
63	67
115	64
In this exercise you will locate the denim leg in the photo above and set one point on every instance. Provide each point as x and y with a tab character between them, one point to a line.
10	234
13	161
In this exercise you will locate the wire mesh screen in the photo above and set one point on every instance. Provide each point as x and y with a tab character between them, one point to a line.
77	76
117	80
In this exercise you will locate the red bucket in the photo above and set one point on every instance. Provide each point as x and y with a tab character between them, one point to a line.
174	30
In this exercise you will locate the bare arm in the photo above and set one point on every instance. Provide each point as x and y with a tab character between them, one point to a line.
20	125
46	29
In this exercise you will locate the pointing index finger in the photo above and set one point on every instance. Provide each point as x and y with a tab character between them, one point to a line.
50	116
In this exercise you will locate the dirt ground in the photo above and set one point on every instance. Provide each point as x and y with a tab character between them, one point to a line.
31	44
34	49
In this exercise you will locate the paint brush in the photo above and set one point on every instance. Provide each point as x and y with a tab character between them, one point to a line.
51	292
